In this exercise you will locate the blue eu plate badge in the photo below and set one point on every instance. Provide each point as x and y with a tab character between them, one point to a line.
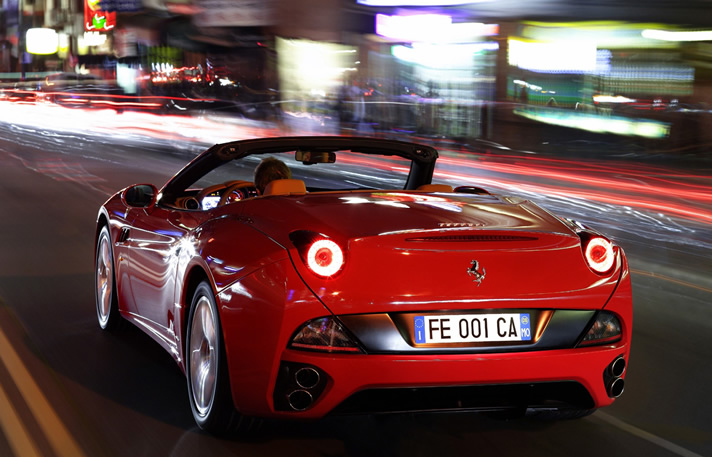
419	329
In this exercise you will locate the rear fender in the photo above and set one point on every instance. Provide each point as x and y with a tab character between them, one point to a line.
221	252
232	249
259	315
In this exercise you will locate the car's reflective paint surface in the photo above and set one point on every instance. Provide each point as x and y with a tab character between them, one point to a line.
287	340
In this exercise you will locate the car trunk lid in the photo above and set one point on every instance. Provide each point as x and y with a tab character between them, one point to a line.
409	251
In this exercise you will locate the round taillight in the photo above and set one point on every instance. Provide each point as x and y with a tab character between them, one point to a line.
599	255
325	258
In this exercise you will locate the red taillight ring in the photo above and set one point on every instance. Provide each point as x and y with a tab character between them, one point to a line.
599	255
325	257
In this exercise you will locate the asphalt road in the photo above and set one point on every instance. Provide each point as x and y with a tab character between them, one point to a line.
70	389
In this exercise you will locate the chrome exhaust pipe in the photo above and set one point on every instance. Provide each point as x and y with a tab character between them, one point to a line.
307	377
616	387
617	368
299	400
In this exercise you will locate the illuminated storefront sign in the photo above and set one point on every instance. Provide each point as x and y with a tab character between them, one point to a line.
309	68
411	28
678	35
555	57
122	6
417	2
444	56
96	20
94	39
42	41
431	28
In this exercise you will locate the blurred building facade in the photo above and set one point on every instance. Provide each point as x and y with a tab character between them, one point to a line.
435	71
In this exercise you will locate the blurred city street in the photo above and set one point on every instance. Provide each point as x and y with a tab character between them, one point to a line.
599	112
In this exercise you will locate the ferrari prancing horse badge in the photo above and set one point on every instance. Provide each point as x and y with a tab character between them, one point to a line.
476	275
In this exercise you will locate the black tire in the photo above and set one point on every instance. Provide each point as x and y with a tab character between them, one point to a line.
207	375
107	304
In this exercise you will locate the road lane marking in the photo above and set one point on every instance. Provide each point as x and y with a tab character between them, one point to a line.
15	432
647	436
57	434
669	279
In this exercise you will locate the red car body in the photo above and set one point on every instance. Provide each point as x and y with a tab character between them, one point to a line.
534	326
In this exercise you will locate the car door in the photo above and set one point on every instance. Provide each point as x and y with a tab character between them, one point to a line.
119	232
158	238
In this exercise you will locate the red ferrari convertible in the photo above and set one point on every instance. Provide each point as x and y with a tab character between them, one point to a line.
358	286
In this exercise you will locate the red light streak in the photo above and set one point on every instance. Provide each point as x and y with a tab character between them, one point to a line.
659	206
96	97
74	100
672	188
124	104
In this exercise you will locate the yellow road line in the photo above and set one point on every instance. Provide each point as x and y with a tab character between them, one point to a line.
15	432
57	434
669	279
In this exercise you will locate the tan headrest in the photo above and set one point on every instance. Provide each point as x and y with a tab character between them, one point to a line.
285	187
435	188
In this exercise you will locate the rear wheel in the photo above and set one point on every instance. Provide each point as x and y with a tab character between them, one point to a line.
206	369
107	309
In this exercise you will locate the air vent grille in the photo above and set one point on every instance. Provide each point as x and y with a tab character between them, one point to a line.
473	238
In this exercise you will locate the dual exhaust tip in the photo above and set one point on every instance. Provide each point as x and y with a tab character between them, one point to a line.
306	379
615	385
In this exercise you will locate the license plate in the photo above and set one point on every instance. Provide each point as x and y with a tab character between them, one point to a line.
472	328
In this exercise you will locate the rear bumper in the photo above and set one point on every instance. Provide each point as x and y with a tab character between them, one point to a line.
356	383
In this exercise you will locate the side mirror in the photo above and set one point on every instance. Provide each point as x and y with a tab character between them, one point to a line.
471	190
140	195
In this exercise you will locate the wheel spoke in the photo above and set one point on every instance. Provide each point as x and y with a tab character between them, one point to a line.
202	386
105	253
209	330
104	280
203	358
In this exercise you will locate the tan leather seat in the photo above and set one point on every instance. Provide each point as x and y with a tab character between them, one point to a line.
285	187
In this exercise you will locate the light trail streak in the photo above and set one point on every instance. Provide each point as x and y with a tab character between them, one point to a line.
98	96
86	101
694	191
634	169
646	187
610	198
